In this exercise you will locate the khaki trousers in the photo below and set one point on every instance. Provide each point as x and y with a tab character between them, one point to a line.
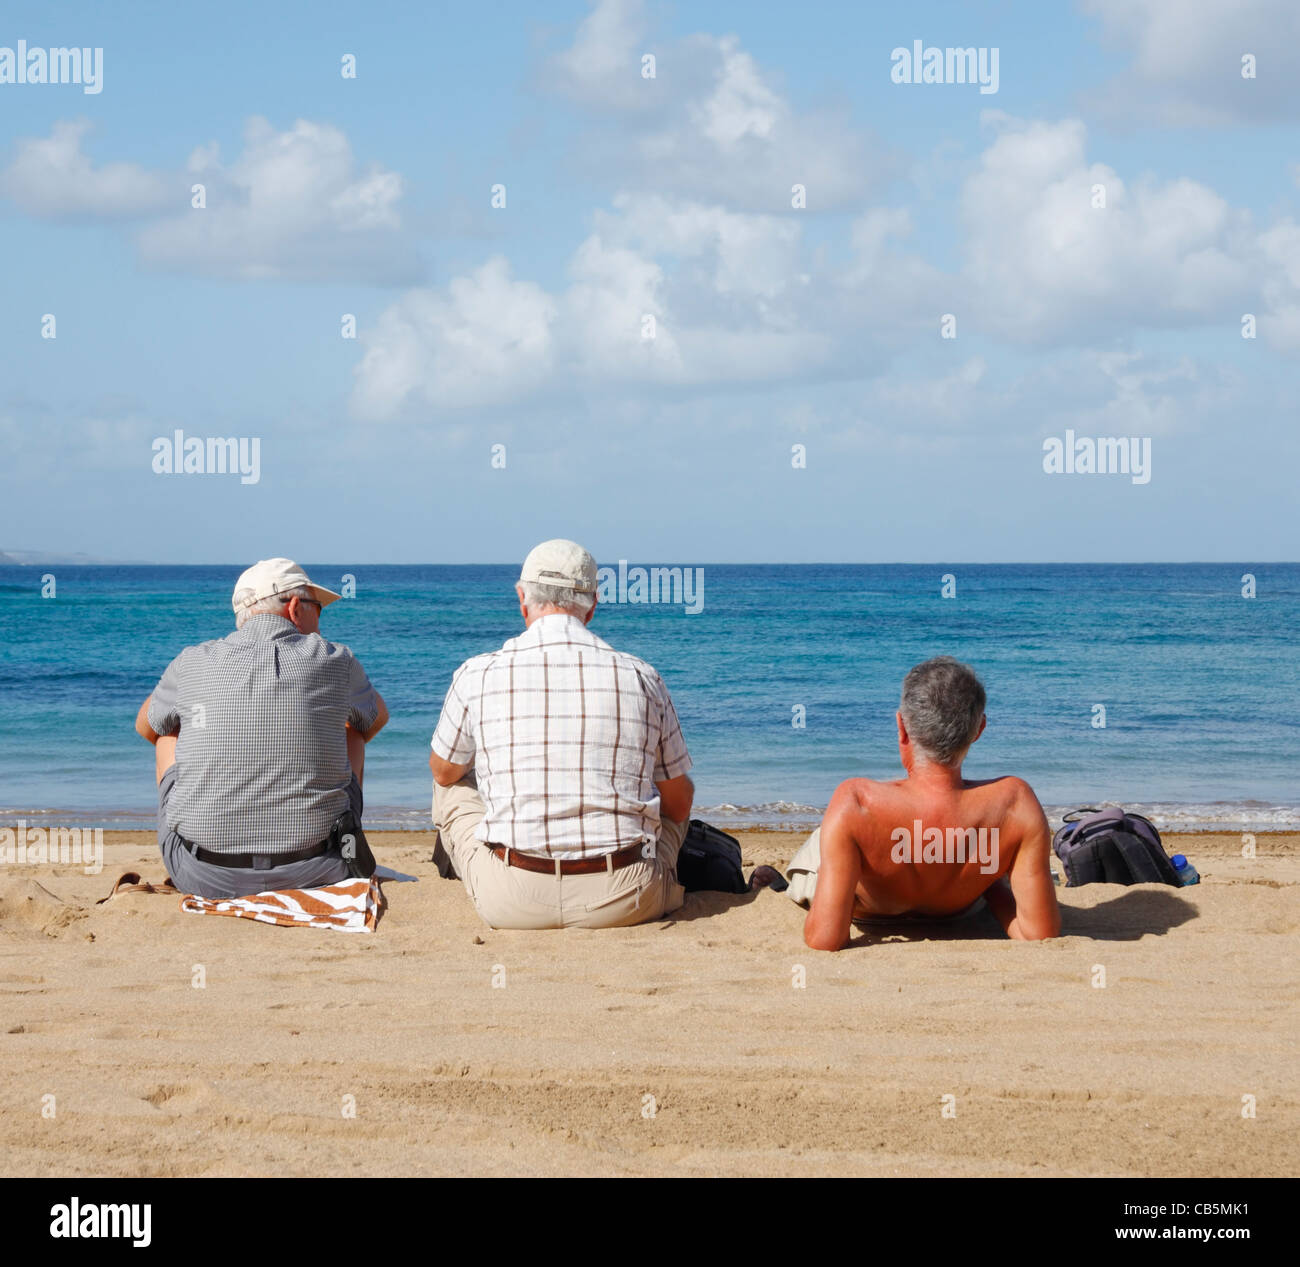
509	897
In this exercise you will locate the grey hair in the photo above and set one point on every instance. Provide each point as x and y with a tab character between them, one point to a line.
537	595
276	604
942	704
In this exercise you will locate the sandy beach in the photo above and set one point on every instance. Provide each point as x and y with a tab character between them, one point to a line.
551	1072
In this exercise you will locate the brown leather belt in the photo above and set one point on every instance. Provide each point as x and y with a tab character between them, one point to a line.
570	866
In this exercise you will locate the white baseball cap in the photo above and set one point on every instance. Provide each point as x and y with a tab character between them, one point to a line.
269	577
564	564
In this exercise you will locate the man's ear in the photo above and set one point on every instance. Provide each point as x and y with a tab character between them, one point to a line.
983	722
902	731
523	608
586	620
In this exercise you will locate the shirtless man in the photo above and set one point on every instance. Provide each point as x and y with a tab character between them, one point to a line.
932	843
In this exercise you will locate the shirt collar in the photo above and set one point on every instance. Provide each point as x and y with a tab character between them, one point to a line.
555	627
264	625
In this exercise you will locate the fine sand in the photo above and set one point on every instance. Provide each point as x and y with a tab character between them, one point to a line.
552	1072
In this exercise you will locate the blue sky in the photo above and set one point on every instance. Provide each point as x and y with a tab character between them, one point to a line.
523	326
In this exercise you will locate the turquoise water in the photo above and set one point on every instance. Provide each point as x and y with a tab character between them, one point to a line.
1201	686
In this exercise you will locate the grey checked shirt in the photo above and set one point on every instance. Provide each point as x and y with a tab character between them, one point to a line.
567	737
262	758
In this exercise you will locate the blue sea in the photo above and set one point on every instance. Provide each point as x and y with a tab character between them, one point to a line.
1200	685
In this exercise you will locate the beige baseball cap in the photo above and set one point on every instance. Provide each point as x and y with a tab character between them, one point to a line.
564	564
270	577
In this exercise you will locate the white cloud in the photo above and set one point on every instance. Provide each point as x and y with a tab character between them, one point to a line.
292	207
602	67
488	339
711	125
1281	287
711	281
52	178
1047	264
737	299
1186	67
748	254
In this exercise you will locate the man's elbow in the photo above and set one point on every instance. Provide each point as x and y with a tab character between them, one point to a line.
822	941
1043	929
817	936
444	773
676	798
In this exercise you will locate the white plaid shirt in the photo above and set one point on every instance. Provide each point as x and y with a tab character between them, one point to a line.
568	738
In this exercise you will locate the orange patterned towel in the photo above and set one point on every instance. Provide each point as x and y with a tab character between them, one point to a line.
354	906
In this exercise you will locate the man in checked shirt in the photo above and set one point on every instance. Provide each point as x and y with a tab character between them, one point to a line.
260	744
561	792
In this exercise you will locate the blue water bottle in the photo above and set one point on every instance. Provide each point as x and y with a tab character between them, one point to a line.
1186	873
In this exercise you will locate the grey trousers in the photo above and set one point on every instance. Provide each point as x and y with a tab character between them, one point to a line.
206	879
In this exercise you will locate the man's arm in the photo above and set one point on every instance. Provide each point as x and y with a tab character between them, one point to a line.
381	720
445	773
829	919
676	796
1028	910
454	736
142	727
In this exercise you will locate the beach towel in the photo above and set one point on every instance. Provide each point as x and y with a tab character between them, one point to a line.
353	906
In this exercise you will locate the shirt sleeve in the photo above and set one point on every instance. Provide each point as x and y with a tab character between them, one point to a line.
165	703
363	699
453	738
672	758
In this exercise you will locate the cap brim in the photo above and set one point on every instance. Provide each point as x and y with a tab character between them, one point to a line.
323	596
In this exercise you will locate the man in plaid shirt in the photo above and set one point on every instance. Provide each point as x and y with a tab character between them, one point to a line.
561	792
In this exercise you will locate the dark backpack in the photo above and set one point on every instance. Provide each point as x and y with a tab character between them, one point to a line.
710	859
1111	846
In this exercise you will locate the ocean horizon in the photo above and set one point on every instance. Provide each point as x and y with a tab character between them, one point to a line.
1157	686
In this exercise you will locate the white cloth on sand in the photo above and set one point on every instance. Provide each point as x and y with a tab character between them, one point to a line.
802	871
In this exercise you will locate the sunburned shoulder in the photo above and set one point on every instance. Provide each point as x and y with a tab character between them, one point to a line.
1011	784
855	796
1016	797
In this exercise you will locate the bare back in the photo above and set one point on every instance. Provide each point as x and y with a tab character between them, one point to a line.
911	847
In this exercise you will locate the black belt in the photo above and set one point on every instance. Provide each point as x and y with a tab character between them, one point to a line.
256	861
